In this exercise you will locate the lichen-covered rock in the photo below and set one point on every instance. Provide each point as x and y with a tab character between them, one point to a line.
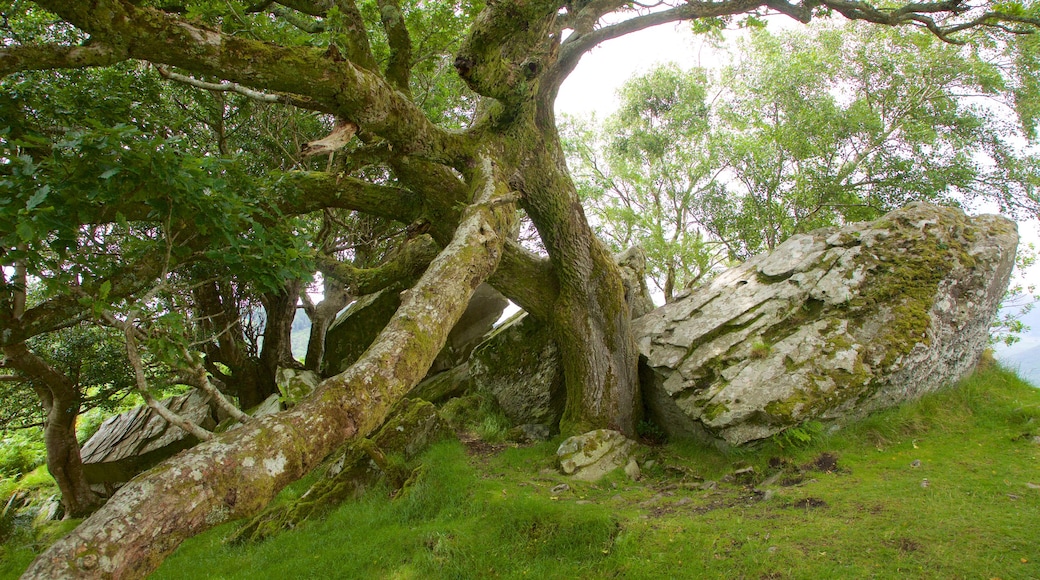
519	366
356	328
131	442
295	384
485	308
590	456
831	325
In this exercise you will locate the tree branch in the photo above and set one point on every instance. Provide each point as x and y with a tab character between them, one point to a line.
399	69
349	89
238	473
282	98
53	56
409	261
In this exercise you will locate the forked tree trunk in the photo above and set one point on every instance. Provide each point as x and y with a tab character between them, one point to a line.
238	473
61	401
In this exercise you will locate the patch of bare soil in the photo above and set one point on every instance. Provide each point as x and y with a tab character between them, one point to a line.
477	447
825	463
807	503
904	545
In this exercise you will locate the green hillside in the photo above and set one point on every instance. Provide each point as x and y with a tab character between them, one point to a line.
948	487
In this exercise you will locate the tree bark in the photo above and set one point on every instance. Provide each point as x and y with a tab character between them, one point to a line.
238	473
61	401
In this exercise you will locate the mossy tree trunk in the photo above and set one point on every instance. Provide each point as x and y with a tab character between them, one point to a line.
61	401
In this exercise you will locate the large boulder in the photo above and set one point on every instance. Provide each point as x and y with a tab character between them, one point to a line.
519	365
831	325
131	442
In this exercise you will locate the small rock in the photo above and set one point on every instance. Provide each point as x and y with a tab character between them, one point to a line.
534	432
709	485
1013	497
617	498
1036	440
560	488
925	482
768	495
583	502
772	549
632	469
1032	485
649	464
683	501
916	463
590	456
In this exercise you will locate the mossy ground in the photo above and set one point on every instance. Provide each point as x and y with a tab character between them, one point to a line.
942	488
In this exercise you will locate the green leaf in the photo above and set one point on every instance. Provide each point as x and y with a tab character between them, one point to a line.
25	231
105	288
109	173
38	197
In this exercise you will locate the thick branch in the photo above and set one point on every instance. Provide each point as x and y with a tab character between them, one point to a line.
399	69
406	264
51	56
308	191
355	35
353	92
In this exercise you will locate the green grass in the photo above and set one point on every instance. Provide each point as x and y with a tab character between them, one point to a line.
503	515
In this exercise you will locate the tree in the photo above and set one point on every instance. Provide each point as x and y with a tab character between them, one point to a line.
645	172
805	130
70	371
365	65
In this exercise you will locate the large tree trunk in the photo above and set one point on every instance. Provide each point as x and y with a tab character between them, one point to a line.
238	473
591	318
61	401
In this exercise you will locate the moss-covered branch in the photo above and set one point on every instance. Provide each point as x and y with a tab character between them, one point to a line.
52	56
405	265
355	93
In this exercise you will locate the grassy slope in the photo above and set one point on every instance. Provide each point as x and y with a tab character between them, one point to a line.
475	514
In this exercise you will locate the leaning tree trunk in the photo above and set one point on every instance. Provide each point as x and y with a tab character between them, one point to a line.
238	473
61	401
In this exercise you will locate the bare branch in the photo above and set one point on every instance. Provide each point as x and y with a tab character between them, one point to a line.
283	98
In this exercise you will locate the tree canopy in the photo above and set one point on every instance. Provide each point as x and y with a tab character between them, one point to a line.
166	163
803	130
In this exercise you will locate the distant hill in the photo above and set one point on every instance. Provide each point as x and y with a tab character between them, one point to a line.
1024	355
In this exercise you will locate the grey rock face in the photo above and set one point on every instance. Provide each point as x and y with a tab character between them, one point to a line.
131	442
519	365
832	325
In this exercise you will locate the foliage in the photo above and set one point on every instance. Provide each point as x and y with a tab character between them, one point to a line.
20	453
805	130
